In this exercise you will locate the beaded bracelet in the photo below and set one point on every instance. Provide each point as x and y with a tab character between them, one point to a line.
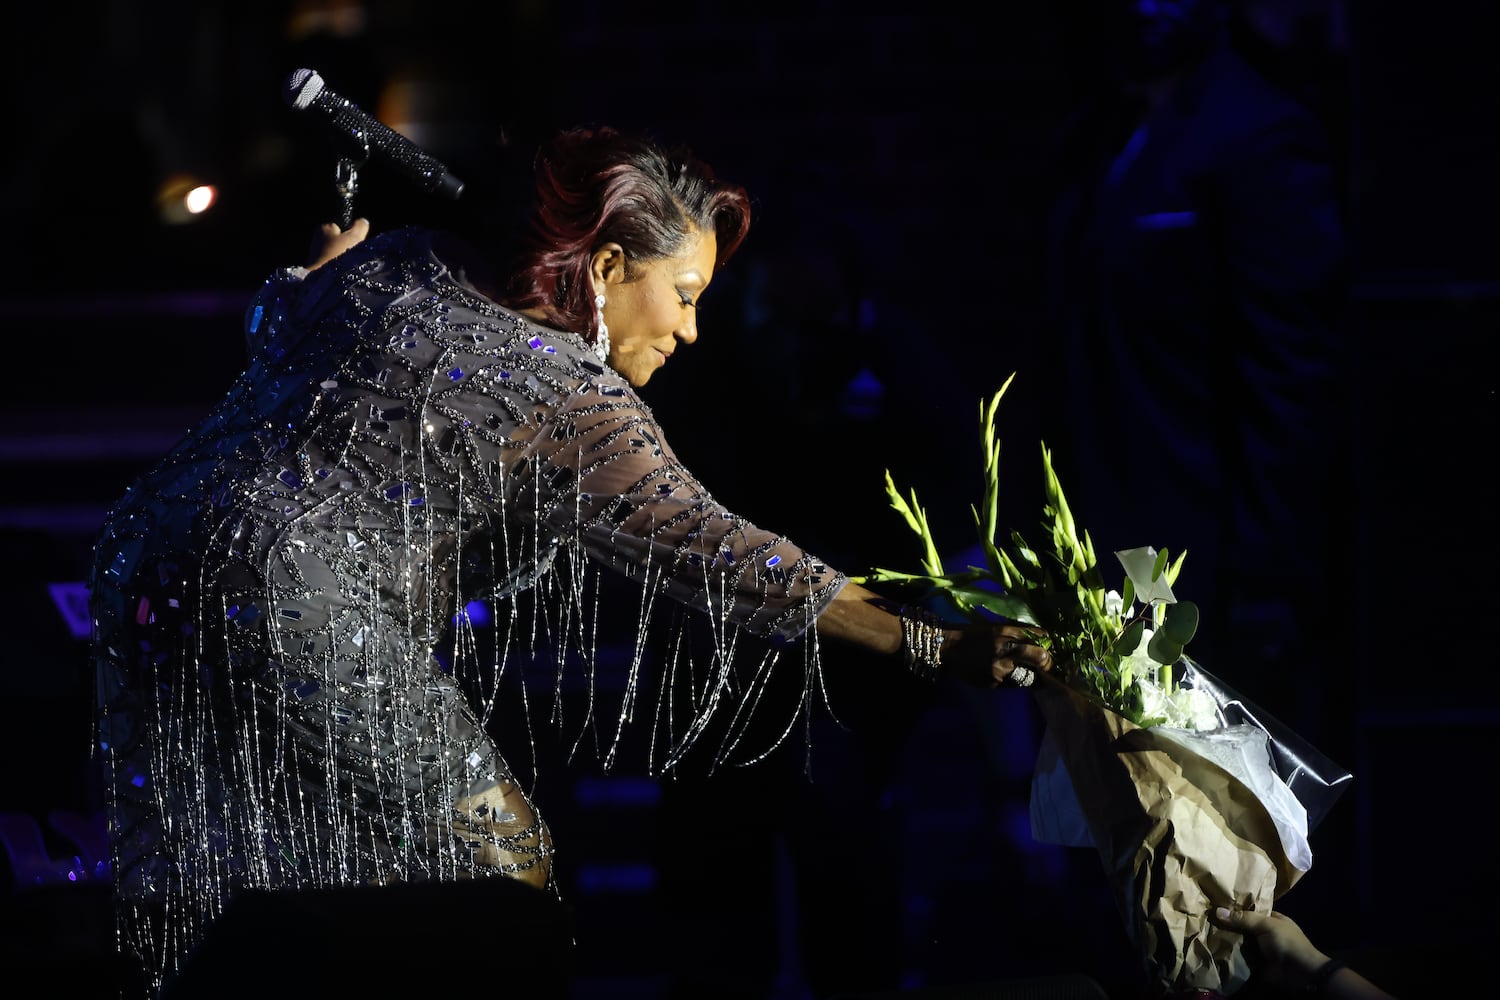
1319	981
921	642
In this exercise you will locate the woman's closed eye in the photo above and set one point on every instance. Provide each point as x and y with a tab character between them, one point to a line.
687	299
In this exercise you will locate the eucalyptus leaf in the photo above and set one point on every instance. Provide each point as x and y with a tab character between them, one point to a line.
1164	649
1180	622
1130	638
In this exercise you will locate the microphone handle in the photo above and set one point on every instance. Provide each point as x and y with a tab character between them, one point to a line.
368	133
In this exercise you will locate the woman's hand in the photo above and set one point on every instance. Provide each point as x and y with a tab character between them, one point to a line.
984	655
991	656
330	241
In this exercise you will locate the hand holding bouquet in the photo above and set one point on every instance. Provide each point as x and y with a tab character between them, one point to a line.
1193	797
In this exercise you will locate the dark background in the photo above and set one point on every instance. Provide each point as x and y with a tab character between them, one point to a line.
894	161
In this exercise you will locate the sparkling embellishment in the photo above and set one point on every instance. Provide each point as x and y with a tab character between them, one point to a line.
227	753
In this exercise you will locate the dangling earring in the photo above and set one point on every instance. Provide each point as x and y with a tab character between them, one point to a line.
601	332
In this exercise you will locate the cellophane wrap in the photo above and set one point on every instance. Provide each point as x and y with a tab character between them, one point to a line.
1180	828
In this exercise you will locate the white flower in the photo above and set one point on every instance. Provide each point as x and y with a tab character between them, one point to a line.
1138	662
1183	708
1114	604
1139	565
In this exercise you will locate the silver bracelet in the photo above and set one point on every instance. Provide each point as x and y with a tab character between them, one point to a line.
921	642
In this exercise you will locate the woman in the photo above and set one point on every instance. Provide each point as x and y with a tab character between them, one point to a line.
280	708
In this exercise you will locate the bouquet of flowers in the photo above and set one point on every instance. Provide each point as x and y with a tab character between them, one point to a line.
1193	796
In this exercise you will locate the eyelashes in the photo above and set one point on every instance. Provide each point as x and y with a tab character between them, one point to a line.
687	299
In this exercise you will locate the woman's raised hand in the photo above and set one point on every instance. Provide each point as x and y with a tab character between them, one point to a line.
330	241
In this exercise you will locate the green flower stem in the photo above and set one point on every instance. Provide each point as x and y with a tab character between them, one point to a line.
1060	591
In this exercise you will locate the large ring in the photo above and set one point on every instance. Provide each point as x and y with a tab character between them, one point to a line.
1021	676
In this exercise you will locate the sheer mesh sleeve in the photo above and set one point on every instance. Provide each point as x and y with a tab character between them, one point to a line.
605	470
525	421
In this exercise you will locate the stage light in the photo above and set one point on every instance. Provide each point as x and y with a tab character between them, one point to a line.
200	199
475	613
182	198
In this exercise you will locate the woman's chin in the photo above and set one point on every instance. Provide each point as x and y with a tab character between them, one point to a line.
633	371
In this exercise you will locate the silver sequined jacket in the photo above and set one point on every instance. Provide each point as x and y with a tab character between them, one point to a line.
269	599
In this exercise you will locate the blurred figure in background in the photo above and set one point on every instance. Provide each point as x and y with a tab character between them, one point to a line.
1196	282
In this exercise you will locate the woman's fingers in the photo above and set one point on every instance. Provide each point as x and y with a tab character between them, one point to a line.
992	655
1017	659
330	241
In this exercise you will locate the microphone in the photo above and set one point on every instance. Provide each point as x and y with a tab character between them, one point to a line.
306	91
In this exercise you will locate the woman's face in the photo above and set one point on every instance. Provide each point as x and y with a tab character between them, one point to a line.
654	309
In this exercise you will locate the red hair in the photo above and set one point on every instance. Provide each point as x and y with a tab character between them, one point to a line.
597	186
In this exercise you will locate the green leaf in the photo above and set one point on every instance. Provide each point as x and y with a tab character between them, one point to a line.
1180	622
898	502
1029	565
1175	568
944	582
1164	649
916	519
1004	605
1058	588
1129	639
1058	502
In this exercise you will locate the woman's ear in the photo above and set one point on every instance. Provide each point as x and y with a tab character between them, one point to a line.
607	267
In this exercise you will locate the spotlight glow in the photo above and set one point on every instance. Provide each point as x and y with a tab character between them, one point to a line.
183	198
200	199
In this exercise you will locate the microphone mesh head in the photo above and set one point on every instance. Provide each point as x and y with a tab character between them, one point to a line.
302	87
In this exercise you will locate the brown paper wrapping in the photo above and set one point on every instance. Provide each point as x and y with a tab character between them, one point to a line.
1177	835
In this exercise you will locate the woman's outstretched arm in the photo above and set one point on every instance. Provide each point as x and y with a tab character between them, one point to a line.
982	655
